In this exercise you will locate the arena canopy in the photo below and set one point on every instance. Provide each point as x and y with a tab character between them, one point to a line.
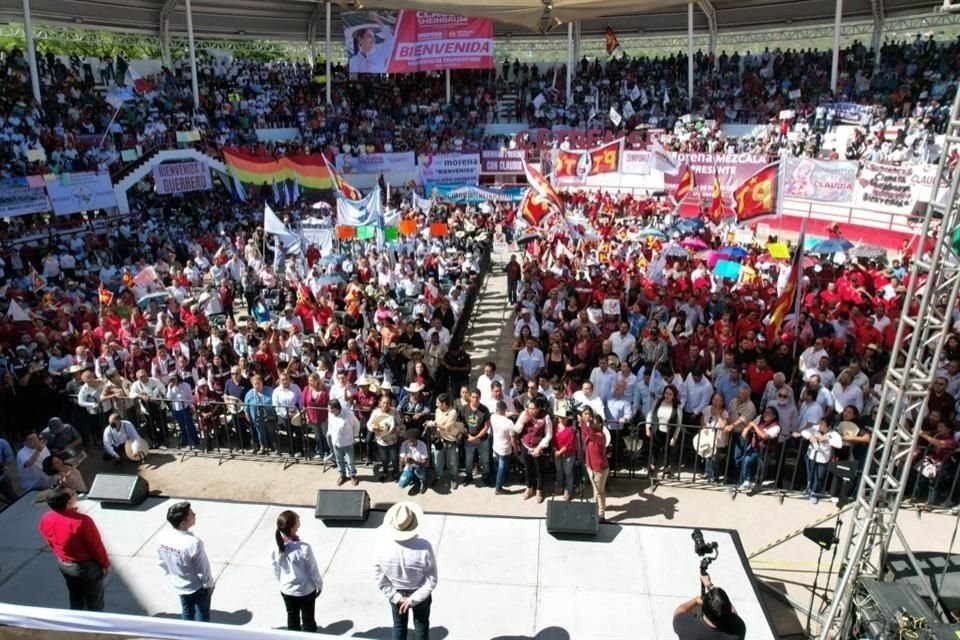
297	20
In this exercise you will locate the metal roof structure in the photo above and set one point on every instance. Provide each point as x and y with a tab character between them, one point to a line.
295	20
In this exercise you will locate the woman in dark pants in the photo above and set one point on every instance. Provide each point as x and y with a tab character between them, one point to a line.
536	430
295	568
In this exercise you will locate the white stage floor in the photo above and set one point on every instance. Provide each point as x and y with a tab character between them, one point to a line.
503	578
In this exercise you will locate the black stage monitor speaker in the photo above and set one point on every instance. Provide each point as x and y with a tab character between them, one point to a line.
572	518
119	489
342	505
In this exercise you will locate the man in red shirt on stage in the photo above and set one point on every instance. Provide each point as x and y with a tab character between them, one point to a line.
76	543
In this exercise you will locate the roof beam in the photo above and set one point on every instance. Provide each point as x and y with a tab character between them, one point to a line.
711	12
165	11
879	16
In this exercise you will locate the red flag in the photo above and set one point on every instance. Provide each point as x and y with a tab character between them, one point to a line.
105	297
688	182
127	279
540	198
37	281
612	42
758	195
603	159
340	185
135	80
788	299
716	207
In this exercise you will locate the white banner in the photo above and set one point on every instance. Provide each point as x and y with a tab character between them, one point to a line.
181	177
635	162
18	198
450	168
377	163
75	192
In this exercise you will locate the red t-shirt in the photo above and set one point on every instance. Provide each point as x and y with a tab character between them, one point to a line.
564	439
73	537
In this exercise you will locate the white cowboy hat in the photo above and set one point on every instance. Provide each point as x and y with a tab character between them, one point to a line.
415	387
403	520
704	443
366	381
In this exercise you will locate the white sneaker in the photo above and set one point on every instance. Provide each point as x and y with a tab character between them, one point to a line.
746	486
298	455
328	457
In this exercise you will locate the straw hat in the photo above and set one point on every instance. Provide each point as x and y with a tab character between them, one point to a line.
415	387
402	521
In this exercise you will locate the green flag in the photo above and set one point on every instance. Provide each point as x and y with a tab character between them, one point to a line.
390	234
367	232
956	241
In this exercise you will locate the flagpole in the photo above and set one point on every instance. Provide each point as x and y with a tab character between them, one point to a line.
109	124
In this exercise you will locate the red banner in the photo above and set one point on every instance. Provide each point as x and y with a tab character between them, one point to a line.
409	41
733	170
580	164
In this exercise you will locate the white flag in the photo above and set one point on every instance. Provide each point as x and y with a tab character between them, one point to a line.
635	92
539	100
644	100
663	160
147	276
666	97
272	224
17	313
628	111
615	117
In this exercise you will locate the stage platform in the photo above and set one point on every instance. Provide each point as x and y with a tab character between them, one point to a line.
504	578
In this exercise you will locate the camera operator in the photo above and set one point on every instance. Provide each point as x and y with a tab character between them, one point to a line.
715	620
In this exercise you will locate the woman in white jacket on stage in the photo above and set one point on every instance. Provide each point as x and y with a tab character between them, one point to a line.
295	568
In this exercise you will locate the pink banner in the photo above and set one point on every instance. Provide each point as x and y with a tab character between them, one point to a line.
409	41
733	170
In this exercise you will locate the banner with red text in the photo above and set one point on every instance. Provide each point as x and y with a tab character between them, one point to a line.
733	169
181	177
409	41
894	188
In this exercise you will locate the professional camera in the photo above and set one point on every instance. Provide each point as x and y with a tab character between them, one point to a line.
703	549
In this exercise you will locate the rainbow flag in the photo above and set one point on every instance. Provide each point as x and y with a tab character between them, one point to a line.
250	169
310	172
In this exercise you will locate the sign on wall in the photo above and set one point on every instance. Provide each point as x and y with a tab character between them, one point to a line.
181	177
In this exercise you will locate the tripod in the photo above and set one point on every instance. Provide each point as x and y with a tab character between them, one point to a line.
825	539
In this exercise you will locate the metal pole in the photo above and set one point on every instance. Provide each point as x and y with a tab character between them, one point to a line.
326	54
448	86
690	55
835	67
570	63
193	58
31	50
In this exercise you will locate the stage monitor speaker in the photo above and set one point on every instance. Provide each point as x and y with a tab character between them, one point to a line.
572	518
342	505
119	489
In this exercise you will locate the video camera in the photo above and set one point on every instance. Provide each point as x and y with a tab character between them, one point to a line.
704	549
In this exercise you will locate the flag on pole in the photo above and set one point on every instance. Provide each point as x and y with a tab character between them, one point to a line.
716	206
128	280
757	196
788	299
540	200
543	187
104	296
340	185
135	80
146	277
688	182
116	96
272	224
239	194
276	193
615	117
37	281
611	40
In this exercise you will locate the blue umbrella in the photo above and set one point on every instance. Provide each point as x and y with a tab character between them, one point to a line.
734	252
835	245
689	225
333	258
651	232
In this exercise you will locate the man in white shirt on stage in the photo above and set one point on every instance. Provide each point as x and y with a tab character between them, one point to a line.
406	570
182	557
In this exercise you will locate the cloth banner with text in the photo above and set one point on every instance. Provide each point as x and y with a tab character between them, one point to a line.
366	212
494	162
732	169
181	177
894	188
819	180
377	163
575	166
18	197
84	191
410	41
450	168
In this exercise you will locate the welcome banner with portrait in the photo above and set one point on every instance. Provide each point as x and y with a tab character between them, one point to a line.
450	168
819	180
377	163
409	41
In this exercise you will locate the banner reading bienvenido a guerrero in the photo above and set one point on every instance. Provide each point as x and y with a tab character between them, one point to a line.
181	177
818	180
408	41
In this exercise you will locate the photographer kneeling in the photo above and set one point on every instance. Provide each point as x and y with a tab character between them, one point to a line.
716	619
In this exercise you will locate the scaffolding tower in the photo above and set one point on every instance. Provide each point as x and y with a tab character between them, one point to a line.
925	322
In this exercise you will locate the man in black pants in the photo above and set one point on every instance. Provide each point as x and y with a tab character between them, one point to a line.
76	543
514	273
715	620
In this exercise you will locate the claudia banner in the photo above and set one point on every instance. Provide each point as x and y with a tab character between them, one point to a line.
377	163
450	168
181	177
409	41
818	180
501	161
19	198
733	169
85	191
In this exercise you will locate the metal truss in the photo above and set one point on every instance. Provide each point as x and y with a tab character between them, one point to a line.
711	12
921	334
165	11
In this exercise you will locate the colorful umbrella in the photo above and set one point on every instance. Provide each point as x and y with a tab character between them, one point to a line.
734	252
694	243
832	246
868	251
651	232
674	251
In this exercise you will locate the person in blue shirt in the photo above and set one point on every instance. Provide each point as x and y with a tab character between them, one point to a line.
6	483
260	413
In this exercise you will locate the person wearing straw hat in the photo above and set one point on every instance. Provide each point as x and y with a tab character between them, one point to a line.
406	570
